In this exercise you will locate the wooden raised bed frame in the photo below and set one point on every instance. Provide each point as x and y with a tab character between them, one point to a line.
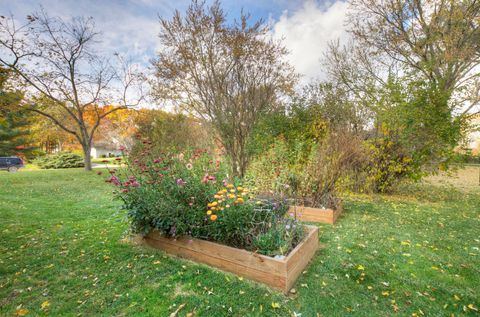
280	274
303	213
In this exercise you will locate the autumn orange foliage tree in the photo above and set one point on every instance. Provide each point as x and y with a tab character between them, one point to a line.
57	61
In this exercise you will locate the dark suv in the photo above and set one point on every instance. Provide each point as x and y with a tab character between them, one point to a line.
11	164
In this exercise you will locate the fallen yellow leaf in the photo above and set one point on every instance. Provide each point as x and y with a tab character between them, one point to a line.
21	311
45	305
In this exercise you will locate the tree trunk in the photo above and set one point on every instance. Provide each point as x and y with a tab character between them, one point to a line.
86	157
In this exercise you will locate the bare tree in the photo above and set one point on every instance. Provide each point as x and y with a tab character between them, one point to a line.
57	61
438	39
227	74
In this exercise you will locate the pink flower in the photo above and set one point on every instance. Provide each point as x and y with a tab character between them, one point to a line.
205	179
125	190
181	182
156	161
208	178
212	178
135	184
114	180
122	148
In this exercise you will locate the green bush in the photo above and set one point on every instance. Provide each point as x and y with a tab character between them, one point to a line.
59	160
189	194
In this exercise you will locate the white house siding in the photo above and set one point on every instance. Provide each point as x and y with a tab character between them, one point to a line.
98	152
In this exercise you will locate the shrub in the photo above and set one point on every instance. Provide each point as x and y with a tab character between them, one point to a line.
189	194
389	164
59	160
270	172
316	181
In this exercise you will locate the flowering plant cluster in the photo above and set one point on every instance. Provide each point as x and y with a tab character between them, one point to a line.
190	194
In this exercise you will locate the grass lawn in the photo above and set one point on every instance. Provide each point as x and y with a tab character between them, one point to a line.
61	245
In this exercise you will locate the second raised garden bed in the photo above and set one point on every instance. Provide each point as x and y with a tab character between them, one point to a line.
303	213
280	274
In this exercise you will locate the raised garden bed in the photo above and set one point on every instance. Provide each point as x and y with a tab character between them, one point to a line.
280	274
303	213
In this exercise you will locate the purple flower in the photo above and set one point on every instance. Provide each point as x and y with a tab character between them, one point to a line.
181	182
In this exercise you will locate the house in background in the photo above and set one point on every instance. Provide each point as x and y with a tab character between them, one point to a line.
100	150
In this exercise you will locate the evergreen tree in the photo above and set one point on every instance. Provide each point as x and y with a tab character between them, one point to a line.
13	120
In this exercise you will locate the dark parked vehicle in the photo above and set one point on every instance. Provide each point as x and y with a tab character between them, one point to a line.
11	164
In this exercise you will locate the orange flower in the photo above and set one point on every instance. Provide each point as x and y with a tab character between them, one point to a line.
213	217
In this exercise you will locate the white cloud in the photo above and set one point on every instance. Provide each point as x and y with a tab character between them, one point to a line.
306	33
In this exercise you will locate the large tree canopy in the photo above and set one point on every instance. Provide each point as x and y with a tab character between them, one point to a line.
437	40
58	63
225	73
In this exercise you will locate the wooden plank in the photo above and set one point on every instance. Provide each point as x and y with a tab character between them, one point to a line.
273	280
303	213
242	257
278	274
300	257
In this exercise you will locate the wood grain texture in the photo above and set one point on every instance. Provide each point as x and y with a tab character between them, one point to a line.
276	273
316	214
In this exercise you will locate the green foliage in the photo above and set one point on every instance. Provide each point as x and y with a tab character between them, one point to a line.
13	120
416	134
59	160
388	165
170	131
300	127
188	194
271	170
68	239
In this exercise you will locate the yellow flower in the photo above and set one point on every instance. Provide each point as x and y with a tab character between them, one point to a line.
214	204
209	212
227	206
231	196
213	217
259	202
213	208
240	188
229	186
240	199
218	196
232	190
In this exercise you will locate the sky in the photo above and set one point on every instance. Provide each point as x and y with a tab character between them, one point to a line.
131	27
